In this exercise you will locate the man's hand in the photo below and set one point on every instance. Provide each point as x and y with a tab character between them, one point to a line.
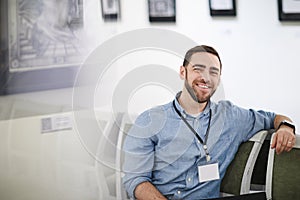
283	140
147	191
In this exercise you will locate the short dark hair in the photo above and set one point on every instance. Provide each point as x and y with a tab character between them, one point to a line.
197	49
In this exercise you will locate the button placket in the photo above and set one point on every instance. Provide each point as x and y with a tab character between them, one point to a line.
189	179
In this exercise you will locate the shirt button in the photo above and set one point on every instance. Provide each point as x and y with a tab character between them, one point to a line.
178	192
189	179
199	141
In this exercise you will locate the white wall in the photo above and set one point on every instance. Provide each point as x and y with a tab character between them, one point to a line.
259	53
260	70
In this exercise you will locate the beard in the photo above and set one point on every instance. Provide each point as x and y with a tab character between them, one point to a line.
196	97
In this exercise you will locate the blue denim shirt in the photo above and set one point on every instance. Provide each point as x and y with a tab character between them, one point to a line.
161	149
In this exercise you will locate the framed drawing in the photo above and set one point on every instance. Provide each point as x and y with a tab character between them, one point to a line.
40	44
289	10
110	10
162	10
222	7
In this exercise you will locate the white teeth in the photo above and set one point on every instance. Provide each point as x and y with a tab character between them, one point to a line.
203	86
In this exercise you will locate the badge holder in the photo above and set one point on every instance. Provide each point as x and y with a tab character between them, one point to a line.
209	171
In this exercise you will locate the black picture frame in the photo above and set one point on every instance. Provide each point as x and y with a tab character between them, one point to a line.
222	8
33	55
162	10
288	10
111	10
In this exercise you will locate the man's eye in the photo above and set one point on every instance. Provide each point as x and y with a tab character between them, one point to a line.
214	72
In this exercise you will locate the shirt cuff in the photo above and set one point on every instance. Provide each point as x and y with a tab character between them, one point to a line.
134	184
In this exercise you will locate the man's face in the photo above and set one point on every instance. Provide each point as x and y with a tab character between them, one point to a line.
202	75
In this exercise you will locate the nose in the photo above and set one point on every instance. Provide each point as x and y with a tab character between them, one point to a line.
204	76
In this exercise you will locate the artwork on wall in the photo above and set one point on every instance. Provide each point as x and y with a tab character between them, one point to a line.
162	10
110	10
222	7
40	44
289	10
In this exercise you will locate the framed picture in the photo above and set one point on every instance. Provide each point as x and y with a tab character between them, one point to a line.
289	10
162	10
110	10
222	7
40	44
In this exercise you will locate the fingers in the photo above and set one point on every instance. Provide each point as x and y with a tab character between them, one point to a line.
283	142
280	144
290	144
274	141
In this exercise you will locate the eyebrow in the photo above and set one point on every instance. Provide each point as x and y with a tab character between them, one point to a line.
198	65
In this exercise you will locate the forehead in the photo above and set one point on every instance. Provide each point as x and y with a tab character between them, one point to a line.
205	58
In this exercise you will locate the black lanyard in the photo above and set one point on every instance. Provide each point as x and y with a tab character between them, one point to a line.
195	133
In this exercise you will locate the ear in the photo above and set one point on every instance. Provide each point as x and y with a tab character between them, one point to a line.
182	72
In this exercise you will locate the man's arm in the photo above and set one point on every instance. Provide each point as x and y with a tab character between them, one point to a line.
284	138
147	191
139	150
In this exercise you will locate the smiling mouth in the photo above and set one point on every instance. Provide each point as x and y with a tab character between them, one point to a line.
202	86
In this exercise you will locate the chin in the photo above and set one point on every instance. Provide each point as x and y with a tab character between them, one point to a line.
201	100
205	99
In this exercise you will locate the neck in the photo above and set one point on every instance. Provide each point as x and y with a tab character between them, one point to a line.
190	105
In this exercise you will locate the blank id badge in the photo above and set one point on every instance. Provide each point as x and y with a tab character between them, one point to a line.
208	172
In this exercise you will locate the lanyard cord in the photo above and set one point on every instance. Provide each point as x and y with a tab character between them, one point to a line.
195	133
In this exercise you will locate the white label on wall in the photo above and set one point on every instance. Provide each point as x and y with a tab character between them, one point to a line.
56	123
